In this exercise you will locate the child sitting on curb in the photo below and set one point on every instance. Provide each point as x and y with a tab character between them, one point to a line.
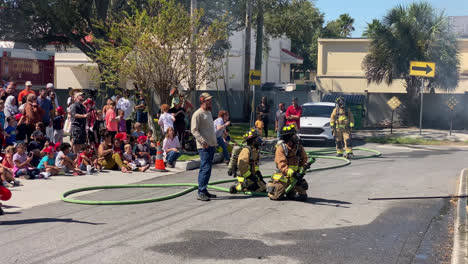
6	175
22	163
64	162
129	159
47	163
85	160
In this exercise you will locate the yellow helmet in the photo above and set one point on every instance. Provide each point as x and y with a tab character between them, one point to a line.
288	130
253	133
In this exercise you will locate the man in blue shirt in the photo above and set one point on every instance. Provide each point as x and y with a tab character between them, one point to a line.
46	105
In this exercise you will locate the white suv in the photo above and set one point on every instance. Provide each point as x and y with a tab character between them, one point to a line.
315	122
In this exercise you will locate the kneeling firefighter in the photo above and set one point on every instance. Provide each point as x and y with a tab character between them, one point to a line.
291	162
249	178
342	122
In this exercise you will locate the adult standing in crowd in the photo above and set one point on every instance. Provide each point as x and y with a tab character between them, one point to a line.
220	125
27	91
141	113
106	106
33	115
264	110
50	89
293	114
204	133
46	106
91	121
9	90
111	119
179	113
280	119
126	105
78	122
53	98
11	109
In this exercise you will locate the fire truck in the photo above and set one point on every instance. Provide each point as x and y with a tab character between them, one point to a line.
19	63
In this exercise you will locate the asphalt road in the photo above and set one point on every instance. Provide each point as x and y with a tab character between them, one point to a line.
336	225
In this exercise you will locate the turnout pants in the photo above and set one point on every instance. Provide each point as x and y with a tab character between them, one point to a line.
343	140
277	189
248	184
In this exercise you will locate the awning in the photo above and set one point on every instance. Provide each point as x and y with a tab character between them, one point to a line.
289	57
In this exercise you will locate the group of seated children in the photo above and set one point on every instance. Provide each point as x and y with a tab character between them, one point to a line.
40	159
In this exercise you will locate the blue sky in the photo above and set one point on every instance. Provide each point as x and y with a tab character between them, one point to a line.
364	11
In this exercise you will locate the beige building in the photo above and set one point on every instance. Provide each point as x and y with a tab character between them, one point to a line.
74	69
339	68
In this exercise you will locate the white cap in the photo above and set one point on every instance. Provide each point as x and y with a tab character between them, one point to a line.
50	85
28	83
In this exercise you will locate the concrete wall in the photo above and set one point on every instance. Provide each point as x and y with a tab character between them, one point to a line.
339	68
436	113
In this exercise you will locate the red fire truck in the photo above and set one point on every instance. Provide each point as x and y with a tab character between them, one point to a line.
20	64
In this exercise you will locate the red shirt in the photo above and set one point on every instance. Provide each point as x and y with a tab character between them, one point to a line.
82	154
111	125
24	93
294	111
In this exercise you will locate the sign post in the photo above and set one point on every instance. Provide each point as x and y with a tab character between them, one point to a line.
394	103
451	103
422	69
421	108
255	78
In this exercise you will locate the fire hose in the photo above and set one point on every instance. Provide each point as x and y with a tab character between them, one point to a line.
317	154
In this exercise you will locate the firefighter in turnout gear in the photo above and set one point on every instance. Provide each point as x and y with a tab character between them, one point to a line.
249	177
342	122
291	163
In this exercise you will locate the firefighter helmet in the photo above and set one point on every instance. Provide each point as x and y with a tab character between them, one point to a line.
253	133
288	130
340	101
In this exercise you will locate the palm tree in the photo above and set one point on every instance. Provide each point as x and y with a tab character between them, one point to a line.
371	27
413	33
346	22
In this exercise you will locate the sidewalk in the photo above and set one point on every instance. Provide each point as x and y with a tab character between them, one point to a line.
429	134
39	192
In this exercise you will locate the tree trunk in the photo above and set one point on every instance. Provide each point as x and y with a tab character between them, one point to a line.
248	26
410	109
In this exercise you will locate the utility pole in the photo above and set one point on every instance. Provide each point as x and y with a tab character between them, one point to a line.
248	27
193	58
258	50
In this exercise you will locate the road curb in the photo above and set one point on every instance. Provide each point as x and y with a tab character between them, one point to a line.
459	251
195	164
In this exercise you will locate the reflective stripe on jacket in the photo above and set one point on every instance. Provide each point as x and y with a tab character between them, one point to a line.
341	118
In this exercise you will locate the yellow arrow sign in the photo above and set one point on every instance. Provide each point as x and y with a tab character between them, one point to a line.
255	77
422	68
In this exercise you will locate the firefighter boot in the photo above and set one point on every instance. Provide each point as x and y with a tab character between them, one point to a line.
232	189
301	197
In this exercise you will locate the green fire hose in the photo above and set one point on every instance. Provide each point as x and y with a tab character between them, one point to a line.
317	154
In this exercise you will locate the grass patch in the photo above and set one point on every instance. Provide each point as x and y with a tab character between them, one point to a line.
410	141
185	157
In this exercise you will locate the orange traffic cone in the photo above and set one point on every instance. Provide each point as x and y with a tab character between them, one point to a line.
159	164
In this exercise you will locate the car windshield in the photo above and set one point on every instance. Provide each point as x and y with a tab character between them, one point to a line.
317	110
